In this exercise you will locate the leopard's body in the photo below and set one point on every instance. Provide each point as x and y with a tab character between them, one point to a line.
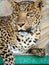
20	30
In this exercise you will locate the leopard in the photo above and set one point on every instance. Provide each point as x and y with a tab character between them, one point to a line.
20	30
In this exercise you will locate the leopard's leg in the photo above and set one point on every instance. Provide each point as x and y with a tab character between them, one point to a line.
7	55
37	51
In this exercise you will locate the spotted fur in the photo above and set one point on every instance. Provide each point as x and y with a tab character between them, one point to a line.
19	30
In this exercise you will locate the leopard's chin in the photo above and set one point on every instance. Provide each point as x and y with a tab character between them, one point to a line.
23	33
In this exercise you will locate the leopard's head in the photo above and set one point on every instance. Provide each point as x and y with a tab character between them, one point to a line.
27	15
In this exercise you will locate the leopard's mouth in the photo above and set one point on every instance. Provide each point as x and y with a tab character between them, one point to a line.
25	32
28	30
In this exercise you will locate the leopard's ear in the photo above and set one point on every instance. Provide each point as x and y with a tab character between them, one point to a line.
40	3
13	3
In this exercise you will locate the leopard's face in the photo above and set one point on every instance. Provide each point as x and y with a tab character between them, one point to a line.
28	16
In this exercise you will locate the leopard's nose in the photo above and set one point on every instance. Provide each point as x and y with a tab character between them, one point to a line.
21	24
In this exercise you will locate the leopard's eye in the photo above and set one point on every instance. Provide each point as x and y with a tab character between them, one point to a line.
30	17
29	14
